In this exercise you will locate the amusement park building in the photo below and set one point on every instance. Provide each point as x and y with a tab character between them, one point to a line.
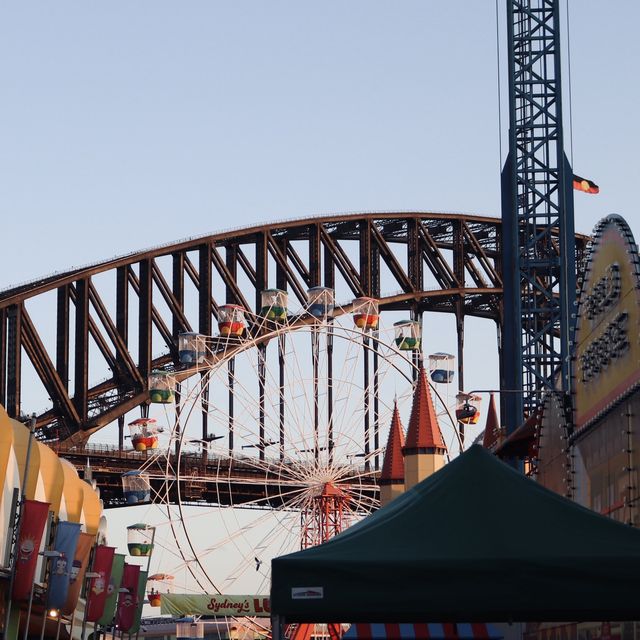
587	451
594	456
52	481
409	461
590	451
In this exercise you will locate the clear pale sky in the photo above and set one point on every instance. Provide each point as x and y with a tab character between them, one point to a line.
125	125
129	124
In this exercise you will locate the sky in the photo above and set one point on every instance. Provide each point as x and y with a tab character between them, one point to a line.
125	125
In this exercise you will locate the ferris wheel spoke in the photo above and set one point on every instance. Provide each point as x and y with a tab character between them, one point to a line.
301	405
238	534
252	561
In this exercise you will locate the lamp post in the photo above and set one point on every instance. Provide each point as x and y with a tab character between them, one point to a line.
87	576
46	555
115	615
51	613
54	614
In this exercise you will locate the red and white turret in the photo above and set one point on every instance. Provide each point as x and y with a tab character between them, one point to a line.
424	450
392	474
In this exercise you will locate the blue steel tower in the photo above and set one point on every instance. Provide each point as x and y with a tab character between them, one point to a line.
539	268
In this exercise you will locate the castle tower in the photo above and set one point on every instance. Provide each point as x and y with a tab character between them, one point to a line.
492	427
424	449
392	475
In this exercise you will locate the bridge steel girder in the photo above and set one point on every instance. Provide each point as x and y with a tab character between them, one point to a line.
431	262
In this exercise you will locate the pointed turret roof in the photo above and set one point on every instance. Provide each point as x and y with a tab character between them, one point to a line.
492	428
393	465
424	432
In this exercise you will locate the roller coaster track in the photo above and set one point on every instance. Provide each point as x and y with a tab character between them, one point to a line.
122	316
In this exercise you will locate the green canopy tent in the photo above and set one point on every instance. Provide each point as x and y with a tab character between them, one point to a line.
477	541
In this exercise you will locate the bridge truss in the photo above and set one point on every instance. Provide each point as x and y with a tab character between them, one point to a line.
122	316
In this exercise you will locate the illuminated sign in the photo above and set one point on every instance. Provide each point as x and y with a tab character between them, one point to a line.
607	349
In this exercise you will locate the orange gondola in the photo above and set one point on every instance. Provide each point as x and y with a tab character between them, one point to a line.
366	315
144	434
231	320
467	408
157	584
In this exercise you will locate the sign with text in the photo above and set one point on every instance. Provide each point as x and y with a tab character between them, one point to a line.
607	347
179	604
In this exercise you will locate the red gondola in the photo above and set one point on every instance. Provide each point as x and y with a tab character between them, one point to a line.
144	434
365	313
231	320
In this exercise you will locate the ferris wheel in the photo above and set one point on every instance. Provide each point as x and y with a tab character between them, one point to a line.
274	440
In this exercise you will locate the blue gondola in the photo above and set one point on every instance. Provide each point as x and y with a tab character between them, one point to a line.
441	367
191	348
136	487
321	302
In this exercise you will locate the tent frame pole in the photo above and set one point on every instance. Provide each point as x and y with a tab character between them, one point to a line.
277	627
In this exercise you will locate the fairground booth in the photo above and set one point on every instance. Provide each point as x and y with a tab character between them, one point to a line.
477	541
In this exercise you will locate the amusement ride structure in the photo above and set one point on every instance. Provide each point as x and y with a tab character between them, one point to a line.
263	364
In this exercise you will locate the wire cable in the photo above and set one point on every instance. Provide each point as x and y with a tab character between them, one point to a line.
569	84
499	89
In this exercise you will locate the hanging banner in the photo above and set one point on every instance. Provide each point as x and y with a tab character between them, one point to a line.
142	586
78	569
33	518
180	604
97	589
65	543
127	600
112	590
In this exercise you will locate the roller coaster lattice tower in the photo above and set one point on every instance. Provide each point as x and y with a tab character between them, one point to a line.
537	212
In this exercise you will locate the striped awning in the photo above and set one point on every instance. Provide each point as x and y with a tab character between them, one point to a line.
423	631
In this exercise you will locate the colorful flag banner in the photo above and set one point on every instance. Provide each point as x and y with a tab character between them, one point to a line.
98	587
78	569
142	587
582	184
65	543
127	600
112	590
33	518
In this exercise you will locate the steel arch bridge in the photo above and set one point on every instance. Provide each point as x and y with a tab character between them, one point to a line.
123	315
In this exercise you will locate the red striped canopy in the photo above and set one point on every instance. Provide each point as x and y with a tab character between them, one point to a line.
423	631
